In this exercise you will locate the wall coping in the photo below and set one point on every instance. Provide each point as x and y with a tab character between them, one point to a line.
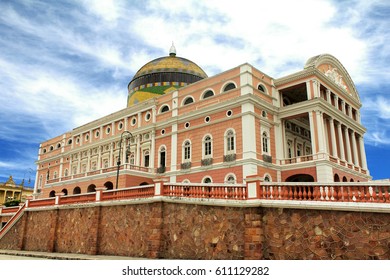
293	204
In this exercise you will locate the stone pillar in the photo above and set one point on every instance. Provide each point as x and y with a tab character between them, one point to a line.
354	149
78	162
111	161
153	149
99	192
333	138
336	101
252	186
312	133
253	234
99	161
341	142
89	160
362	153
58	198
138	152
328	96
343	106
320	132
348	143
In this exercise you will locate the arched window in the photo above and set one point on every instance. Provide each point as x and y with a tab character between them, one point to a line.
162	156
207	147
230	142
265	142
261	88
109	185
229	86
164	108
267	178
76	190
208	94
132	159
187	151
65	191
52	194
146	158
289	149
188	100
207	180
230	179
91	188
299	150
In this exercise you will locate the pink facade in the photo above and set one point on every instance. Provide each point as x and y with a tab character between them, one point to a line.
221	129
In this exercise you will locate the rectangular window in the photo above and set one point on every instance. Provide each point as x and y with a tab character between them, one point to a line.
187	153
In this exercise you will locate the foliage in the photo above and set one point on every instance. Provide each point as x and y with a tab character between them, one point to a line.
12	203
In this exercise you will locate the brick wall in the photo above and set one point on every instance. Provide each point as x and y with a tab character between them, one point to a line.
188	231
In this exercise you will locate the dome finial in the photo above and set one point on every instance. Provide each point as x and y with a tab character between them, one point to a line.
172	50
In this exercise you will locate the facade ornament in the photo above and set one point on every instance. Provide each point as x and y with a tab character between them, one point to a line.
333	74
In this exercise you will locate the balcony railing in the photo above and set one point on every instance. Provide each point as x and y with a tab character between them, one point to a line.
214	191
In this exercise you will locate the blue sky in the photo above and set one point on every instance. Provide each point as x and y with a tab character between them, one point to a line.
65	63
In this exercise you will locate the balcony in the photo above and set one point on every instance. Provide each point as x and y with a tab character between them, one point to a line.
207	161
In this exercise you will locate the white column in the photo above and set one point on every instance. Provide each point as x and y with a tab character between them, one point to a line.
99	161
333	138
111	163
354	149
341	142
328	96
89	160
320	131
153	149
312	133
349	111
336	101
316	88
348	143
61	167
78	162
248	124
137	152
343	106
362	153
174	147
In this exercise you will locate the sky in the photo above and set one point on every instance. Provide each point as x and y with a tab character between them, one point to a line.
66	63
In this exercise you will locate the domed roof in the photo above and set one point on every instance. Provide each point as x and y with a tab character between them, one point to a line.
162	73
171	63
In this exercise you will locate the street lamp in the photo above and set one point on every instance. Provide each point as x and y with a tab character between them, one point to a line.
29	171
129	135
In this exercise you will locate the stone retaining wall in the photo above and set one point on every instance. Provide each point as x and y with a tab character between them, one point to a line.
190	231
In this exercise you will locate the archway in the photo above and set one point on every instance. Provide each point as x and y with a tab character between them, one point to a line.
300	178
65	191
91	188
52	194
336	178
76	190
109	185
